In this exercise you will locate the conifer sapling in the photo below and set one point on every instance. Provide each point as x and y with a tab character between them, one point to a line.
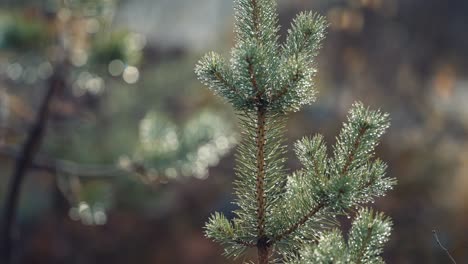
292	218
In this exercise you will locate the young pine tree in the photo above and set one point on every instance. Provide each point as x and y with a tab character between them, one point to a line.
293	217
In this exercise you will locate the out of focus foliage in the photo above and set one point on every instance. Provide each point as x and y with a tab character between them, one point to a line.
172	151
97	125
23	35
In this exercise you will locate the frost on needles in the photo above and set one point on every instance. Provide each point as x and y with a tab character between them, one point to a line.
291	217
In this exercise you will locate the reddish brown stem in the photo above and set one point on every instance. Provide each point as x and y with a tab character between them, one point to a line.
227	84
356	145
256	19
260	156
263	249
300	222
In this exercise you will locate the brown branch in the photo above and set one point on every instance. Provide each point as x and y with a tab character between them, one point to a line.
58	166
231	87
226	83
300	222
26	156
356	145
263	249
253	80
262	245
303	44
320	206
244	243
256	18
260	156
285	89
317	208
306	217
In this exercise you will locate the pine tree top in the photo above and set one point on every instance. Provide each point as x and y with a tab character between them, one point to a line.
261	72
293	214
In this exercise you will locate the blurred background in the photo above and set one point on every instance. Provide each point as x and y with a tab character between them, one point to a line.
137	153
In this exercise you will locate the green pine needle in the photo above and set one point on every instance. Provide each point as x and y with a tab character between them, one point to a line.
293	215
369	232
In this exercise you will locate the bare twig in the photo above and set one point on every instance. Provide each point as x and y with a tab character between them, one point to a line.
86	172
54	166
436	237
26	155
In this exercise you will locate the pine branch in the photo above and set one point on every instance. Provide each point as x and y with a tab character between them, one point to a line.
358	139
356	145
286	88
222	80
299	223
313	212
362	250
255	19
253	80
368	233
312	153
303	41
213	72
276	211
344	185
305	36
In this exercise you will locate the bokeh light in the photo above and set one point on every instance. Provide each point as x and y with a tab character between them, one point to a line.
131	74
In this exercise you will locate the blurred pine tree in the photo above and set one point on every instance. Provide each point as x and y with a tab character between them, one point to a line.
70	49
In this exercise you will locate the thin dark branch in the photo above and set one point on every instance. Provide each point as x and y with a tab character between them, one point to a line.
58	166
436	237
245	243
309	215
299	223
25	157
223	80
253	79
285	88
356	145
